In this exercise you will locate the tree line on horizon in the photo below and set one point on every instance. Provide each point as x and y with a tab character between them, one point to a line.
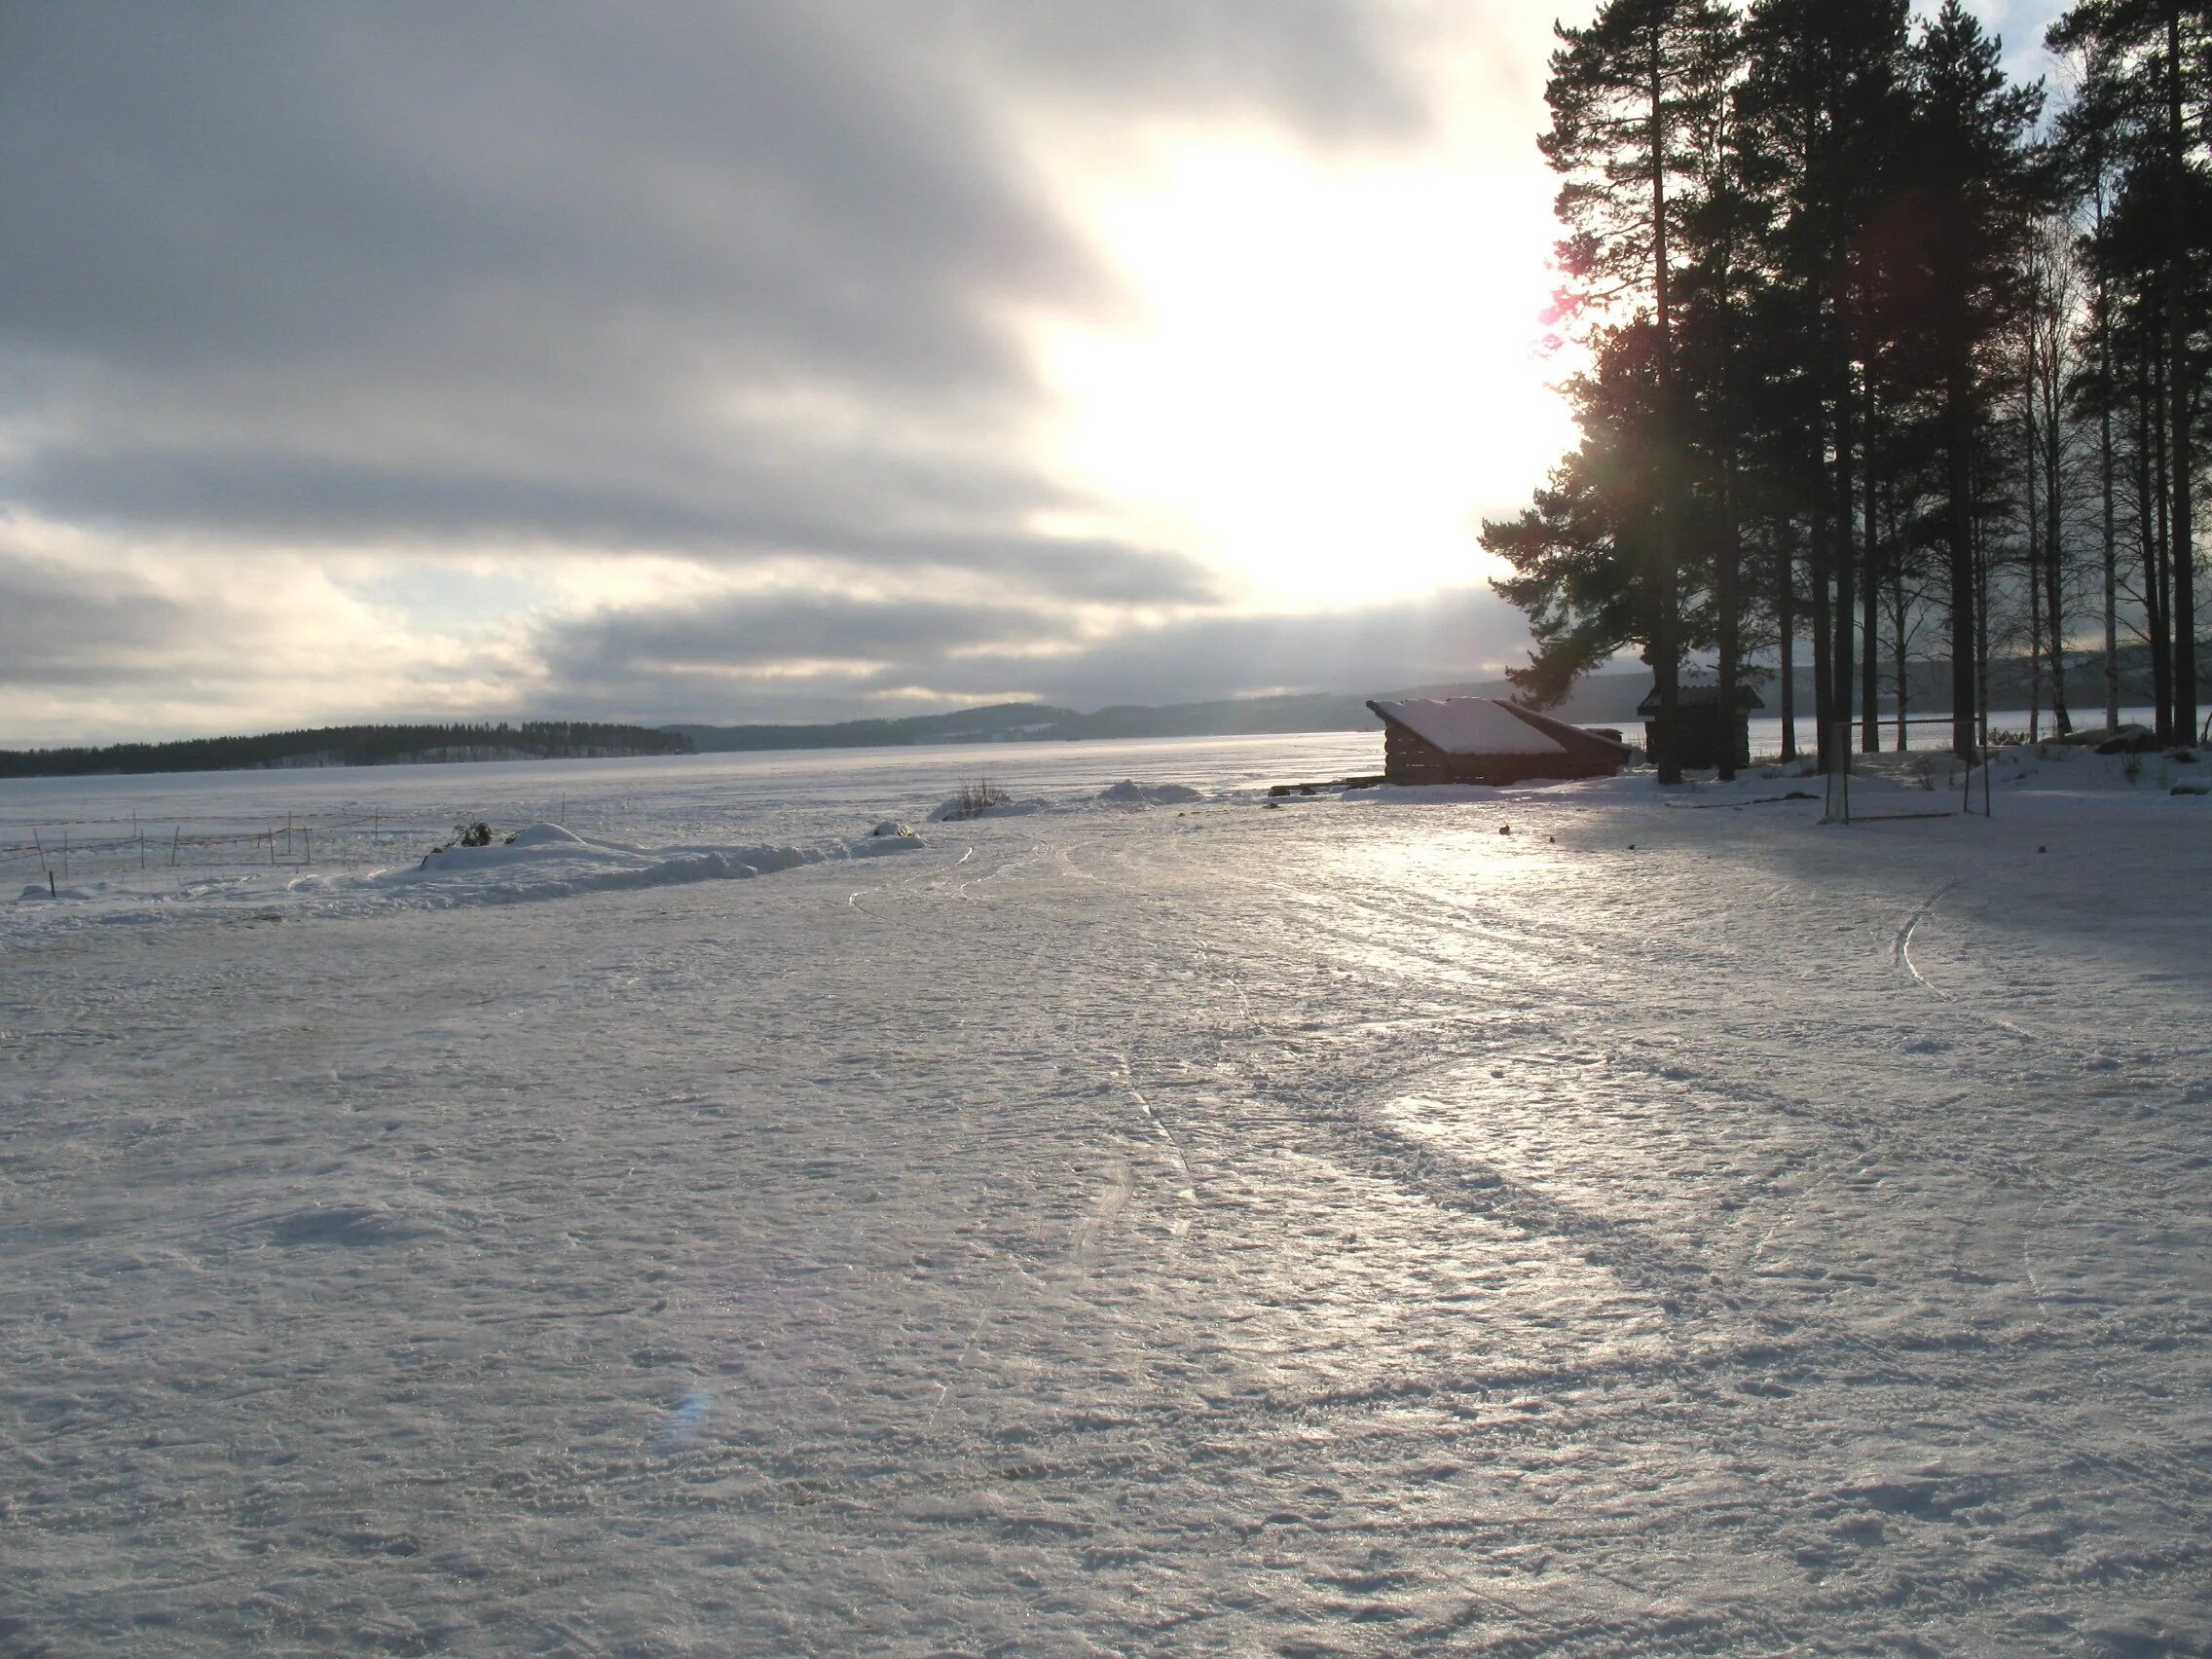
1879	352
350	746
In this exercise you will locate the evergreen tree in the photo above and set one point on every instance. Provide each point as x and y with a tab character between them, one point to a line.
1633	97
2145	104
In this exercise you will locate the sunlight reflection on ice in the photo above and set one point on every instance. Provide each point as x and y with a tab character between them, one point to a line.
682	1428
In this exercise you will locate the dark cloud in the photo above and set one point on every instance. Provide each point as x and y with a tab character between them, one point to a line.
732	281
798	657
1454	635
58	630
778	630
1320	62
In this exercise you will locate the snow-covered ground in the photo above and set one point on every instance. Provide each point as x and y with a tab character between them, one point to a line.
1576	1220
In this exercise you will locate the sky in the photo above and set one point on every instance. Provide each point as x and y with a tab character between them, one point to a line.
782	360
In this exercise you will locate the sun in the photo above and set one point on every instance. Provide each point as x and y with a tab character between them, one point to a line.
1338	372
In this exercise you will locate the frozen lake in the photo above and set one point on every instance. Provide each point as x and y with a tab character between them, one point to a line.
1569	1221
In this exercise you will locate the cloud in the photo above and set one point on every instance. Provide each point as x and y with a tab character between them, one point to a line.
798	657
1457	634
100	641
700	343
741	283
783	632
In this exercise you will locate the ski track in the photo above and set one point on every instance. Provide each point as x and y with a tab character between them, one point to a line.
1326	1231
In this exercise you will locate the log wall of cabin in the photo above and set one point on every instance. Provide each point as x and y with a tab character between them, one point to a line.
1411	760
1701	738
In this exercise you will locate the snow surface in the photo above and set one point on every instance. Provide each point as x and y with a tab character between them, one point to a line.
1674	1226
1471	725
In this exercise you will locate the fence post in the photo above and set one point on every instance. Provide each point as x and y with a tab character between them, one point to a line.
1838	786
177	836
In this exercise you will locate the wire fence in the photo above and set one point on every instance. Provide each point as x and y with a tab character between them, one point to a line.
54	851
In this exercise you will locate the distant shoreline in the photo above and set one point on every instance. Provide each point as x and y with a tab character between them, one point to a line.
327	747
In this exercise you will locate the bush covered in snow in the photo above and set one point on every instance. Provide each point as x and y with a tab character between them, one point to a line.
975	798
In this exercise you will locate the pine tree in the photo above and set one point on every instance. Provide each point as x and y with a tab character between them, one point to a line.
1632	95
2144	99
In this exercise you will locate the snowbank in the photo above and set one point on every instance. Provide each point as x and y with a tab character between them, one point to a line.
546	861
1129	792
958	811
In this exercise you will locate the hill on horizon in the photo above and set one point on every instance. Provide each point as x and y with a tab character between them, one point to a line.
1606	698
350	745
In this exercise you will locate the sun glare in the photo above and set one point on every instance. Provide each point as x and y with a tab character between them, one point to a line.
1336	374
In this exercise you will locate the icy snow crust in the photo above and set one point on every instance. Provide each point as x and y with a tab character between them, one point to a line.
1339	1228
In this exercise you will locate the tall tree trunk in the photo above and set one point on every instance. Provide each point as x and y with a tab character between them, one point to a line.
1897	621
2105	470
2147	539
1977	680
1870	649
2053	420
2181	540
1820	559
2054	587
1966	616
1786	628
2033	544
1870	691
1666	642
1846	619
2163	656
1727	557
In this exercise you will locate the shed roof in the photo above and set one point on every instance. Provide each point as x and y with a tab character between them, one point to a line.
1470	725
1700	695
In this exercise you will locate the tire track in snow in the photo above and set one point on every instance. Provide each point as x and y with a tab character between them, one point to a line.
919	880
1188	1191
1900	953
1902	956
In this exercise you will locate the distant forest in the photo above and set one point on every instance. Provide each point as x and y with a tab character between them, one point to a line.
1884	354
2015	684
351	746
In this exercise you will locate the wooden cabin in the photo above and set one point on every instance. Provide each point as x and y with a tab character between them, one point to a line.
1485	740
1700	730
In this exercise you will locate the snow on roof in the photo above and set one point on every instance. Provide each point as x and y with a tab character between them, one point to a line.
1700	694
1470	725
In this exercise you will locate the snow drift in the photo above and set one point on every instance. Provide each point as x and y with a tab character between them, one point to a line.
546	861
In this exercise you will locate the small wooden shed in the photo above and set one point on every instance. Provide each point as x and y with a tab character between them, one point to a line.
1485	740
1700	729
